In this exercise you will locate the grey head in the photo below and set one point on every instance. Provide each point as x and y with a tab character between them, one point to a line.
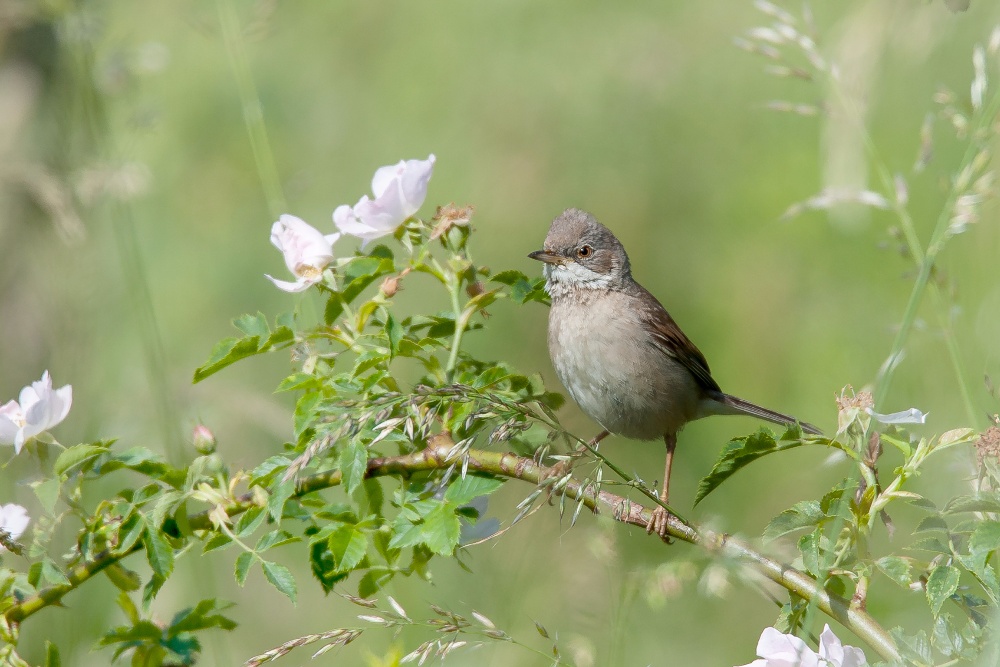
581	253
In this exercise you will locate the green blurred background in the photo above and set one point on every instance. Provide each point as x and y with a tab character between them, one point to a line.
134	225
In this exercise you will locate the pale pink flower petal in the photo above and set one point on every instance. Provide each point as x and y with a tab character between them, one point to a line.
14	520
400	191
306	250
11	420
837	654
37	409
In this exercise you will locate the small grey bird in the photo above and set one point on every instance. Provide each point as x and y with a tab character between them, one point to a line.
618	352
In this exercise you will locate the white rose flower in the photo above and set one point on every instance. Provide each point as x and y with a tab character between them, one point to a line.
307	252
14	520
399	191
778	650
37	409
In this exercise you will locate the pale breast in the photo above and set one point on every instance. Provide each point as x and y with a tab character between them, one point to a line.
612	369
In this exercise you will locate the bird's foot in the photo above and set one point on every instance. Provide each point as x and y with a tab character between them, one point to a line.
658	524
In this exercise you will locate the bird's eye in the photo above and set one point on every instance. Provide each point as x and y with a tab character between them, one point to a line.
584	251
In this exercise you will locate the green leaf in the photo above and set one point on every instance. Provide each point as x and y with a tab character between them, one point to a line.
200	617
509	277
362	272
353	465
47	492
51	573
130	533
253	325
226	352
985	538
954	437
334	308
159	553
739	453
305	411
464	489
242	569
298	381
52	658
915	648
441	529
941	585
804	514
931	523
279	496
373	581
217	541
76	455
394	332
249	521
281	578
275	538
348	545
809	547
123	578
897	569
983	503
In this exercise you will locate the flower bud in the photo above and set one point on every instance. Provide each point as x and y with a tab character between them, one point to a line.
203	439
390	286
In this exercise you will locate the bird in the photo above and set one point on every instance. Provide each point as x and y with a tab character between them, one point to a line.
618	352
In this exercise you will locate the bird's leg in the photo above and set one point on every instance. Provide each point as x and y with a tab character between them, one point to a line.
565	465
658	522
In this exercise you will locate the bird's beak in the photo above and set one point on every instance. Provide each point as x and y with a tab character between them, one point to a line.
547	257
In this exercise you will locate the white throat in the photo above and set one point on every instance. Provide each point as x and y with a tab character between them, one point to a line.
561	279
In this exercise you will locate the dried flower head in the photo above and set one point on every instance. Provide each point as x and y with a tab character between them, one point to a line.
988	446
449	216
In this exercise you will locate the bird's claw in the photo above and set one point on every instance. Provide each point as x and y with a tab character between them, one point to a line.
658	524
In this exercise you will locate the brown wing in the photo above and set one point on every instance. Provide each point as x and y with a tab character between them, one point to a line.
669	338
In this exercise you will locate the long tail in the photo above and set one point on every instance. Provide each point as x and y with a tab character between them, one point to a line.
739	406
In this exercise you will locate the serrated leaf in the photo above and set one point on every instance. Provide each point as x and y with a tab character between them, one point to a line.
982	503
941	585
200	617
464	489
217	541
509	277
249	521
279	496
47	492
394	333
298	381
226	352
932	523
275	538
353	463
253	325
916	648
305	411
373	581
897	569
954	437
348	545
441	529
50	573
76	455
242	568
281	578
159	553
985	538
804	514
739	453
809	547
